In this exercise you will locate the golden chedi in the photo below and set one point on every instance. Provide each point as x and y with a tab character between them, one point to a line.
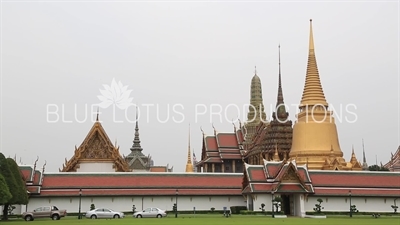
315	139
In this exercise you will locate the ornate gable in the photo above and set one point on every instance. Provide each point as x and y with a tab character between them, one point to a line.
281	177
290	180
96	147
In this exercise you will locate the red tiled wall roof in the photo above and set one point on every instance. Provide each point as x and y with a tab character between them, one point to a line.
354	179
133	192
149	180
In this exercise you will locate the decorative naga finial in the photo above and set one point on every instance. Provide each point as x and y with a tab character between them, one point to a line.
34	165
240	124
202	131
44	166
215	131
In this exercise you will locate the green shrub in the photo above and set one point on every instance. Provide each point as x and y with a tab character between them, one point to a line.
237	209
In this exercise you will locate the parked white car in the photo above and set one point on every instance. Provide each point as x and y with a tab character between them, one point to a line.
102	213
151	212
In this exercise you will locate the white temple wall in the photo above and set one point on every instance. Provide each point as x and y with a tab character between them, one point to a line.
342	204
301	203
262	198
71	204
96	167
299	209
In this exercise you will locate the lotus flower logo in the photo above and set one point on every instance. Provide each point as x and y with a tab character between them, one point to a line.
116	94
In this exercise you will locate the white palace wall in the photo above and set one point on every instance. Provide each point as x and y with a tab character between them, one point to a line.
301	204
342	204
71	204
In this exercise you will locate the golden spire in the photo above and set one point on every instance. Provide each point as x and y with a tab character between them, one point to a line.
276	155
353	159
312	93
189	165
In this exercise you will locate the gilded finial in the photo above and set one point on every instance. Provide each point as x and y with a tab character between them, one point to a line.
276	155
311	37
255	70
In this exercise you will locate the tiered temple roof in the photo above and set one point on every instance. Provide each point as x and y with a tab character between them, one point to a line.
136	160
96	147
275	135
220	148
394	163
256	112
288	177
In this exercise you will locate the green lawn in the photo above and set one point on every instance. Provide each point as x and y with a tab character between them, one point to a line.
218	220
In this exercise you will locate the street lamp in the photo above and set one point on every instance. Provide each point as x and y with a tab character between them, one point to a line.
80	201
272	203
176	203
351	210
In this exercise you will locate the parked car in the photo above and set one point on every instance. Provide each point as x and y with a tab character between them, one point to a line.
151	212
45	212
102	213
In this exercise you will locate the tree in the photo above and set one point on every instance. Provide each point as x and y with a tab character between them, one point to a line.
377	168
262	207
318	208
22	195
5	194
11	183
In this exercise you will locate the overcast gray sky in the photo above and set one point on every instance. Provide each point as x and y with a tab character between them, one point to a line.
61	54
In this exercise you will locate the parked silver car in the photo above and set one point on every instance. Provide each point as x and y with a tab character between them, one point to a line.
151	212
102	213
